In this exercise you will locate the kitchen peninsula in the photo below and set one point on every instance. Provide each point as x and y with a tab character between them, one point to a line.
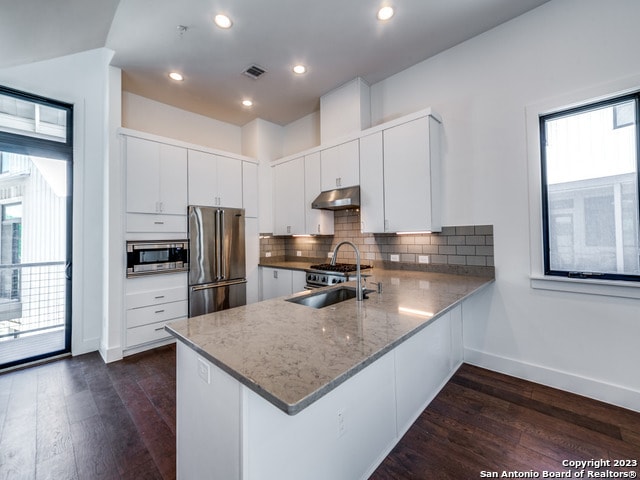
281	390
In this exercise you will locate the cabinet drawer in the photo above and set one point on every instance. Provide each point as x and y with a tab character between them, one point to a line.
156	313
146	222
147	333
155	297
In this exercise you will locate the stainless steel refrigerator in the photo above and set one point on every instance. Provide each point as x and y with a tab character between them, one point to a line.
217	278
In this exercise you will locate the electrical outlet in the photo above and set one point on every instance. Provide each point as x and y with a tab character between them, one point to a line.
394	258
341	424
204	372
298	253
423	258
267	254
329	254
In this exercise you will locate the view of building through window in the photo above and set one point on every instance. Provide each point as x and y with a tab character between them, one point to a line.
590	176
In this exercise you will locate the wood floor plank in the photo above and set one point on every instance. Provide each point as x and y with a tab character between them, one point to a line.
94	458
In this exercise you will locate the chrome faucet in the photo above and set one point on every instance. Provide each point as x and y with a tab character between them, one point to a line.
359	295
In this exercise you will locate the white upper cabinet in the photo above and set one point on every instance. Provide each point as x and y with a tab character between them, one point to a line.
317	222
412	176
250	189
371	184
214	180
400	178
156	177
288	198
340	166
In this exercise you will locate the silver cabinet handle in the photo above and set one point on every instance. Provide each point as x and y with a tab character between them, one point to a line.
159	311
159	328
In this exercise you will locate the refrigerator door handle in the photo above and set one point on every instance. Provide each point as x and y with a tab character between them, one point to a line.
221	252
216	272
207	286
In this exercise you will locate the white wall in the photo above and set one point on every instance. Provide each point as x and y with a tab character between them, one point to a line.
80	79
145	115
583	343
263	141
301	135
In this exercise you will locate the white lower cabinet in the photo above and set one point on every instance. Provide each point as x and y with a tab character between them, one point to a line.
152	302
277	282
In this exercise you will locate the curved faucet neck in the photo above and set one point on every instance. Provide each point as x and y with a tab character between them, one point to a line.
359	293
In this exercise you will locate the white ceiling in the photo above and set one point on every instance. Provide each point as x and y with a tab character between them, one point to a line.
338	40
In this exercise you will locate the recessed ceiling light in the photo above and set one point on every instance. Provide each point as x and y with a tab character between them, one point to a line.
385	13
222	21
299	69
247	103
176	76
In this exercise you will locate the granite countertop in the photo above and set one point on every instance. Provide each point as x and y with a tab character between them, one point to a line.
293	354
289	265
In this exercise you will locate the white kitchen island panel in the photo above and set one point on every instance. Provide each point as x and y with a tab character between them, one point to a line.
208	419
324	393
342	436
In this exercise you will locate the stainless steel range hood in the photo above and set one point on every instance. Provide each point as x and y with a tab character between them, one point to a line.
338	199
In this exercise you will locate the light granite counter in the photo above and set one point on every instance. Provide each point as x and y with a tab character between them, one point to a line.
292	354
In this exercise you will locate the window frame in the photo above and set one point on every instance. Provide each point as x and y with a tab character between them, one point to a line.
585	107
32	145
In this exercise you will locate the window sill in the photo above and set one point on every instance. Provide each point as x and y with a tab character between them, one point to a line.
609	288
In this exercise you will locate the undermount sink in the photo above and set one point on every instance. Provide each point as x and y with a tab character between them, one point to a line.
325	298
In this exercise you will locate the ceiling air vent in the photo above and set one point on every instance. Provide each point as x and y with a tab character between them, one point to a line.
254	71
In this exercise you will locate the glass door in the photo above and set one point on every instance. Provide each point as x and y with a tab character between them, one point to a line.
35	228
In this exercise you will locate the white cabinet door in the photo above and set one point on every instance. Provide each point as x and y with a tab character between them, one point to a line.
276	282
298	281
317	222
156	177
288	201
143	175
214	181
250	189
152	302
173	180
340	166
229	182
411	176
371	184
203	179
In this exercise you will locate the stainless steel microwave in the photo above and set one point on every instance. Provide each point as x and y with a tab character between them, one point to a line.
144	258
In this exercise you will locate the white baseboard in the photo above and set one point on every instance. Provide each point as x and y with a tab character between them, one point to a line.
110	354
587	387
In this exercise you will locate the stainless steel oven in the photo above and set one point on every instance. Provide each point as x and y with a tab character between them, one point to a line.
144	258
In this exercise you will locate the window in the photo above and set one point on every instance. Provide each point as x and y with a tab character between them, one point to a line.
32	118
590	208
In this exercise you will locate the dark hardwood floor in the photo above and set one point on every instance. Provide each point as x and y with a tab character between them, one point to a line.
79	419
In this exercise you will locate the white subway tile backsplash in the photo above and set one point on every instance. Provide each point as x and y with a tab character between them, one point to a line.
466	245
